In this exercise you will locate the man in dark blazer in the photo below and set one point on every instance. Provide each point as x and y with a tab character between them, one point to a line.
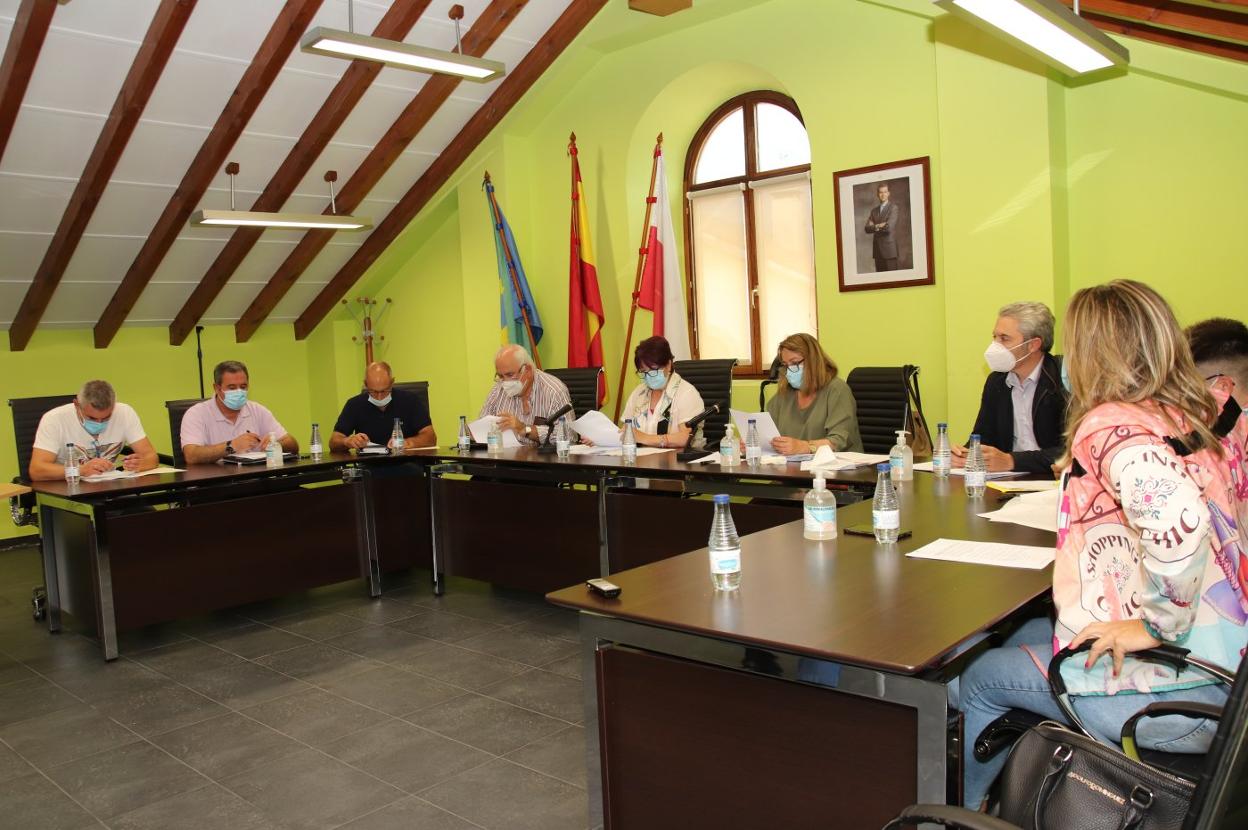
881	223
1022	414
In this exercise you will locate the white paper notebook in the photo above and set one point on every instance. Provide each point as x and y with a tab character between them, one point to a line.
986	553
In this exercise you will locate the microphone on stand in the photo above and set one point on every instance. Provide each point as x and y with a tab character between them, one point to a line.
546	448
689	454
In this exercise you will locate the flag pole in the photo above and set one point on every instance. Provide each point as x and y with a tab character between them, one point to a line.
641	266
511	268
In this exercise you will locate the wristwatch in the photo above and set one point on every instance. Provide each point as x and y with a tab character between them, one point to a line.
229	447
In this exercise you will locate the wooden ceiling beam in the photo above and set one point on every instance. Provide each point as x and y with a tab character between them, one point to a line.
511	90
30	27
437	89
162	35
395	25
282	38
1181	40
1218	24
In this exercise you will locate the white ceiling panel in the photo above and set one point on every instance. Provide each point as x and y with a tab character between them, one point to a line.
11	295
188	259
79	71
292	101
445	125
32	203
301	294
193	89
20	255
51	142
229	28
374	114
161	301
78	302
402	175
102	259
159	153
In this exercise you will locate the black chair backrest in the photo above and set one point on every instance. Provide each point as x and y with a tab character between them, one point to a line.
713	380
176	410
1221	797
26	415
582	386
880	393
420	388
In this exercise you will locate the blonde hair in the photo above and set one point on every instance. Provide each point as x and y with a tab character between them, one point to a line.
818	368
1124	345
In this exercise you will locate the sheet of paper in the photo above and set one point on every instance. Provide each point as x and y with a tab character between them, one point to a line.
373	449
826	460
1023	486
113	475
254	455
763	421
617	453
597	428
480	430
926	467
986	553
1038	510
713	458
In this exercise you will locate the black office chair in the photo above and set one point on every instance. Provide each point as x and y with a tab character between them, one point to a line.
773	378
882	399
420	388
713	380
582	386
177	409
27	412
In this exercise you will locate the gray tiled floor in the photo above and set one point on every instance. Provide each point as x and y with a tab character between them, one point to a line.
321	710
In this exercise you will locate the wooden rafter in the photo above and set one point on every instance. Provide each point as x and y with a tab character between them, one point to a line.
162	35
289	26
1203	21
1181	40
517	82
395	25
30	27
485	30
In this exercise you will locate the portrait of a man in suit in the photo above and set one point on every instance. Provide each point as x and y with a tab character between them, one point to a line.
882	222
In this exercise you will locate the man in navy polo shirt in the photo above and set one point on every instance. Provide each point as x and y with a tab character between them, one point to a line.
369	416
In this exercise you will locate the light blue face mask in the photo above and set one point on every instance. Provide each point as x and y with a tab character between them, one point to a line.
94	428
655	379
795	374
380	402
1065	377
235	399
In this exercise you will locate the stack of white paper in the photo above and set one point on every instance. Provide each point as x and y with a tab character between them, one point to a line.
598	428
480	430
763	422
827	461
1038	510
113	475
986	553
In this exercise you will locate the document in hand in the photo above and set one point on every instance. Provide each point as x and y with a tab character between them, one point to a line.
480	430
767	428
597	428
986	553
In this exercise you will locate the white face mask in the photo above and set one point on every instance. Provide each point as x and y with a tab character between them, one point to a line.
1001	358
513	388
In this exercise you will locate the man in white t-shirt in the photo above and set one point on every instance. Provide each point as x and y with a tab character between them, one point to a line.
97	427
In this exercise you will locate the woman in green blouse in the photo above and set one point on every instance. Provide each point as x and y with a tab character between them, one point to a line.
813	406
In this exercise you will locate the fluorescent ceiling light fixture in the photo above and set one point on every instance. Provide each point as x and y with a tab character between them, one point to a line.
257	219
336	43
1046	29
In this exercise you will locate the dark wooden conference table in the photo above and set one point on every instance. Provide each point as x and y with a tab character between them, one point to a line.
812	697
127	553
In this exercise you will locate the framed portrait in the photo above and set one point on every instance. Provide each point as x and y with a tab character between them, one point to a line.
884	225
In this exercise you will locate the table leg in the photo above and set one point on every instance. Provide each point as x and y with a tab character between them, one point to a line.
604	552
106	617
436	564
366	532
49	527
589	692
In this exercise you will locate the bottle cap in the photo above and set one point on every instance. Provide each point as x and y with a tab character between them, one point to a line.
721	498
820	484
974	436
901	434
751	421
940	424
881	468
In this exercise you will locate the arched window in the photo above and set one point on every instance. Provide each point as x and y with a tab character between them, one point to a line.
750	240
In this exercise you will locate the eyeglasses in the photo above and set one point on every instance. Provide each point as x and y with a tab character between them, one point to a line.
642	374
799	364
380	393
511	375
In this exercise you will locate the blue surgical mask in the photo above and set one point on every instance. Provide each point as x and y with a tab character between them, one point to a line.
1065	377
795	374
380	402
235	399
94	427
655	379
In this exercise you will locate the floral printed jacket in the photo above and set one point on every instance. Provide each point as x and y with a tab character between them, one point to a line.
1149	532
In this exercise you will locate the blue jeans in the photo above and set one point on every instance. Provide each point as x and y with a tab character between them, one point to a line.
1007	678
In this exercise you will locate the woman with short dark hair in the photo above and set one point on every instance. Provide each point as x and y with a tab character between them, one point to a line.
663	401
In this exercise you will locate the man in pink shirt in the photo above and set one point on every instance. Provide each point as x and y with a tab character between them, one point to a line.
228	423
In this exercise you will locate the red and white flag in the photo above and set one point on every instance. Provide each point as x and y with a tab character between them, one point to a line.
662	286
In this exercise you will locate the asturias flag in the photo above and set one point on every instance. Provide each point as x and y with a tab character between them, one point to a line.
662	289
516	299
585	316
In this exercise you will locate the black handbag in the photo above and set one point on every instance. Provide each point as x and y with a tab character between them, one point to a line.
1058	777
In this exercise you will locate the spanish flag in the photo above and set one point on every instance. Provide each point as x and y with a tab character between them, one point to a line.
585	317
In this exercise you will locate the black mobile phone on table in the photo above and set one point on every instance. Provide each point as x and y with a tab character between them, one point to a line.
868	530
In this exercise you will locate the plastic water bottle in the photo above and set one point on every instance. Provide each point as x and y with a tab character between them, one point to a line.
396	438
562	442
71	463
273	452
464	442
729	447
885	514
725	547
628	444
819	512
901	459
314	446
976	472
753	447
942	455
494	441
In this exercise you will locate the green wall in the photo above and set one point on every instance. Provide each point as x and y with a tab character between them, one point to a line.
1040	186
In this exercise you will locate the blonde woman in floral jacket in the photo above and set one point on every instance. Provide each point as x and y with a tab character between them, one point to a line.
1150	546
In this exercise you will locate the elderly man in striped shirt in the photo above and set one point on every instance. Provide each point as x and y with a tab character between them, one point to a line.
523	394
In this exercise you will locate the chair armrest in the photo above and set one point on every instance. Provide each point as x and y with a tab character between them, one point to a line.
947	817
164	459
1189	708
